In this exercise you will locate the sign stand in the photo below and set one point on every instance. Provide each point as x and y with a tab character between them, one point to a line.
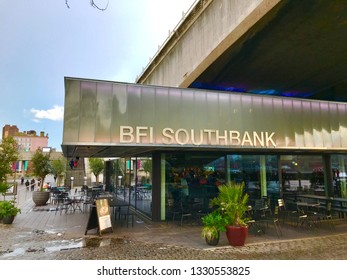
100	217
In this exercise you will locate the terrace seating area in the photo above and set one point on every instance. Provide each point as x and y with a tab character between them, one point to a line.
81	200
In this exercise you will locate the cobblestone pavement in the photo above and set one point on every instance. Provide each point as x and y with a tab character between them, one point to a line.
42	245
44	235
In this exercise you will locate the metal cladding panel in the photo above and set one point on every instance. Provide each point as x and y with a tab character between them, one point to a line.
71	111
117	114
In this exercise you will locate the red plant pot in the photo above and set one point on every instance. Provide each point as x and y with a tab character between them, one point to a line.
237	235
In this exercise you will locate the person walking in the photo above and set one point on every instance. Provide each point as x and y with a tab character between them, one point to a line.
32	184
27	184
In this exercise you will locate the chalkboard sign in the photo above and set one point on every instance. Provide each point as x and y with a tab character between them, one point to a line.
99	217
104	216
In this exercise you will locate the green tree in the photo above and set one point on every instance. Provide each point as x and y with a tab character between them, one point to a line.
41	165
59	169
8	155
147	167
97	166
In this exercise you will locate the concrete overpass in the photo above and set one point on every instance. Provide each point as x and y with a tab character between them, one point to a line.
288	48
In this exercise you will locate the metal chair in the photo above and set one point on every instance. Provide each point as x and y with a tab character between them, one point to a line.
326	216
127	215
284	213
273	219
183	210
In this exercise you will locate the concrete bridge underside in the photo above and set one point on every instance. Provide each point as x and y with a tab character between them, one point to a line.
288	48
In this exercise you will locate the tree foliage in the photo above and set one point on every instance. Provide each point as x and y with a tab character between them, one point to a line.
97	166
8	156
147	167
59	168
41	165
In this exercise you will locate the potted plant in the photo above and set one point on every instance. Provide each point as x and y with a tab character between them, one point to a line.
8	211
232	202
41	167
212	224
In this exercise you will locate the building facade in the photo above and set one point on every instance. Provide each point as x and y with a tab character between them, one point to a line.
28	142
199	139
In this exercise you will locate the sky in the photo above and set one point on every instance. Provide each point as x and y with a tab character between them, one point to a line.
43	41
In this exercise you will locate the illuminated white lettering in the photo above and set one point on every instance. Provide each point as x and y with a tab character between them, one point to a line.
269	139
201	134
222	137
181	136
141	131
168	134
126	134
258	139
246	138
184	136
234	136
209	135
151	135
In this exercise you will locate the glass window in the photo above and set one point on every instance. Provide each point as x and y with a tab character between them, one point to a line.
192	178
302	174
339	167
259	173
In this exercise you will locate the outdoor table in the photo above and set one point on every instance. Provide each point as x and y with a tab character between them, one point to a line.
116	203
310	210
339	203
307	205
340	206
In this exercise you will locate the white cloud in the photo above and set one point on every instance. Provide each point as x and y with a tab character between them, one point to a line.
54	114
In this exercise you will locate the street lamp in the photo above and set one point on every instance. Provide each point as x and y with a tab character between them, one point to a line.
84	180
120	180
71	182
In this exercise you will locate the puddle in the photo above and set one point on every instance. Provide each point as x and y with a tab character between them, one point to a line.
14	253
63	245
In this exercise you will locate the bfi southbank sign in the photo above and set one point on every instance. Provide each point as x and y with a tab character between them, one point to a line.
181	136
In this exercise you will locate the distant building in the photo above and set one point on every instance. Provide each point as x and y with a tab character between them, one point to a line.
9	130
28	142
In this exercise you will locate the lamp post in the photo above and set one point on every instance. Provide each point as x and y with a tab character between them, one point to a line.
71	182
84	180
120	183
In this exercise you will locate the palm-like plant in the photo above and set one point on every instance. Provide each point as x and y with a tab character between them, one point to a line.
232	203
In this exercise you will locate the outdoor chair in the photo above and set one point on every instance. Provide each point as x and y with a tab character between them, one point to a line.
326	216
172	209
260	208
274	220
87	202
302	219
285	213
181	210
64	203
127	215
253	225
77	203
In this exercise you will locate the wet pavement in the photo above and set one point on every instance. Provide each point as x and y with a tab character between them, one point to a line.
43	234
